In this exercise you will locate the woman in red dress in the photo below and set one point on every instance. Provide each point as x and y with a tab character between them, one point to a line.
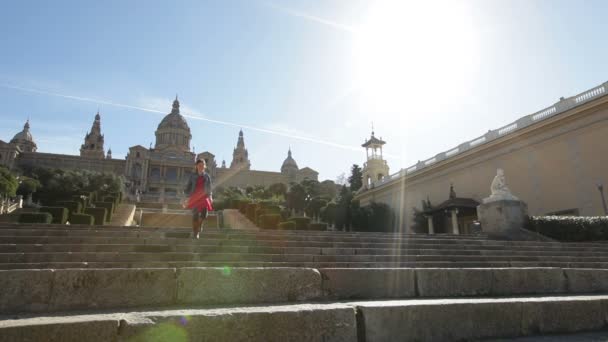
198	189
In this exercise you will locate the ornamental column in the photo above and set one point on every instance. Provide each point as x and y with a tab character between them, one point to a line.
454	221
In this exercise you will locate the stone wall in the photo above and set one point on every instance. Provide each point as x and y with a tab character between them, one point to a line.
553	165
70	162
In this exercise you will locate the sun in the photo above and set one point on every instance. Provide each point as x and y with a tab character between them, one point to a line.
408	53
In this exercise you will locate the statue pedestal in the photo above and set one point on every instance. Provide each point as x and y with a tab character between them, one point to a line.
502	217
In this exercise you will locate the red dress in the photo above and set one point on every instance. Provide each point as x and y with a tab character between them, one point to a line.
198	200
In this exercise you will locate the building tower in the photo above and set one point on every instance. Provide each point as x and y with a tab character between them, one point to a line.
93	141
240	156
290	167
375	168
24	140
173	132
109	154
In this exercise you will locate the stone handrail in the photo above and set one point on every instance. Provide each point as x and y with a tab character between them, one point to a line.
563	105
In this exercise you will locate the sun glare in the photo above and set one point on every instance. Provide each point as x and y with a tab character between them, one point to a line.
412	52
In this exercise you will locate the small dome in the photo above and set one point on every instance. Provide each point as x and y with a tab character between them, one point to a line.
24	135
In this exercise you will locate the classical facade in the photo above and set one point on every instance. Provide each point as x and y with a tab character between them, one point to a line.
158	172
556	161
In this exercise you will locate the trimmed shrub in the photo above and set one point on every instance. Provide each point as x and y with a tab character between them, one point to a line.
98	213
269	221
107	205
83	202
82	219
250	211
36	218
317	226
73	207
570	228
60	214
301	222
112	199
289	225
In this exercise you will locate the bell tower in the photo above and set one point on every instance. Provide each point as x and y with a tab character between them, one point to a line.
375	168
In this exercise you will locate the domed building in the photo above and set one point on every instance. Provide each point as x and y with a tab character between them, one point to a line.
158	172
24	140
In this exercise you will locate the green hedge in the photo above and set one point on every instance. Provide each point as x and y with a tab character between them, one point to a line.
83	202
99	214
317	226
73	207
270	221
250	211
82	219
112	199
301	222
60	214
107	205
36	218
289	225
570	228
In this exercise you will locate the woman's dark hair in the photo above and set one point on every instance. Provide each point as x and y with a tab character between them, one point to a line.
200	161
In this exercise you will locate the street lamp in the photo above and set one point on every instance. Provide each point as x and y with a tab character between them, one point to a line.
600	188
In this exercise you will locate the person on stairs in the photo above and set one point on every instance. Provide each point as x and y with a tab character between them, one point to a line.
198	190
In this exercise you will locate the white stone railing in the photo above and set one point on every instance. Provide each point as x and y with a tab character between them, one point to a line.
563	105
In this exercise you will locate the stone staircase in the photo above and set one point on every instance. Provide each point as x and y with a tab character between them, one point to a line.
129	284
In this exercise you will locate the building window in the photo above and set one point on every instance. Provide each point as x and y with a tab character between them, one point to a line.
137	155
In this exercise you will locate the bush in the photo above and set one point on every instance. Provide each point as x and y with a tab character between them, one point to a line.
60	214
107	205
317	226
82	219
73	207
300	222
112	199
570	228
269	221
36	218
250	211
289	225
83	202
98	213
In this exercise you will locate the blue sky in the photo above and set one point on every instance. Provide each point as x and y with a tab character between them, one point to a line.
292	67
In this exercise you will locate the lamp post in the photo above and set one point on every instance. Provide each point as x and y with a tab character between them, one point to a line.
600	188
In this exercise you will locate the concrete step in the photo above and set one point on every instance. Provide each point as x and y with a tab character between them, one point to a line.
416	264
30	257
386	320
215	248
83	289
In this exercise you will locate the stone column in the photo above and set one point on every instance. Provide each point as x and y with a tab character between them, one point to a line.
430	222
454	221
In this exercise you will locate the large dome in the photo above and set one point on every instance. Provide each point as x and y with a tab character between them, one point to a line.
289	162
173	131
174	119
24	135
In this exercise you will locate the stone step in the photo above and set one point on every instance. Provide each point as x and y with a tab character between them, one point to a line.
86	289
387	320
240	256
413	264
9	240
204	248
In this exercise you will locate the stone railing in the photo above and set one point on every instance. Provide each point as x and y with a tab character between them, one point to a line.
563	105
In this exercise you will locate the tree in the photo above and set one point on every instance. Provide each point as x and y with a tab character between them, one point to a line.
278	189
328	189
344	210
27	186
314	206
328	213
8	183
356	178
296	197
